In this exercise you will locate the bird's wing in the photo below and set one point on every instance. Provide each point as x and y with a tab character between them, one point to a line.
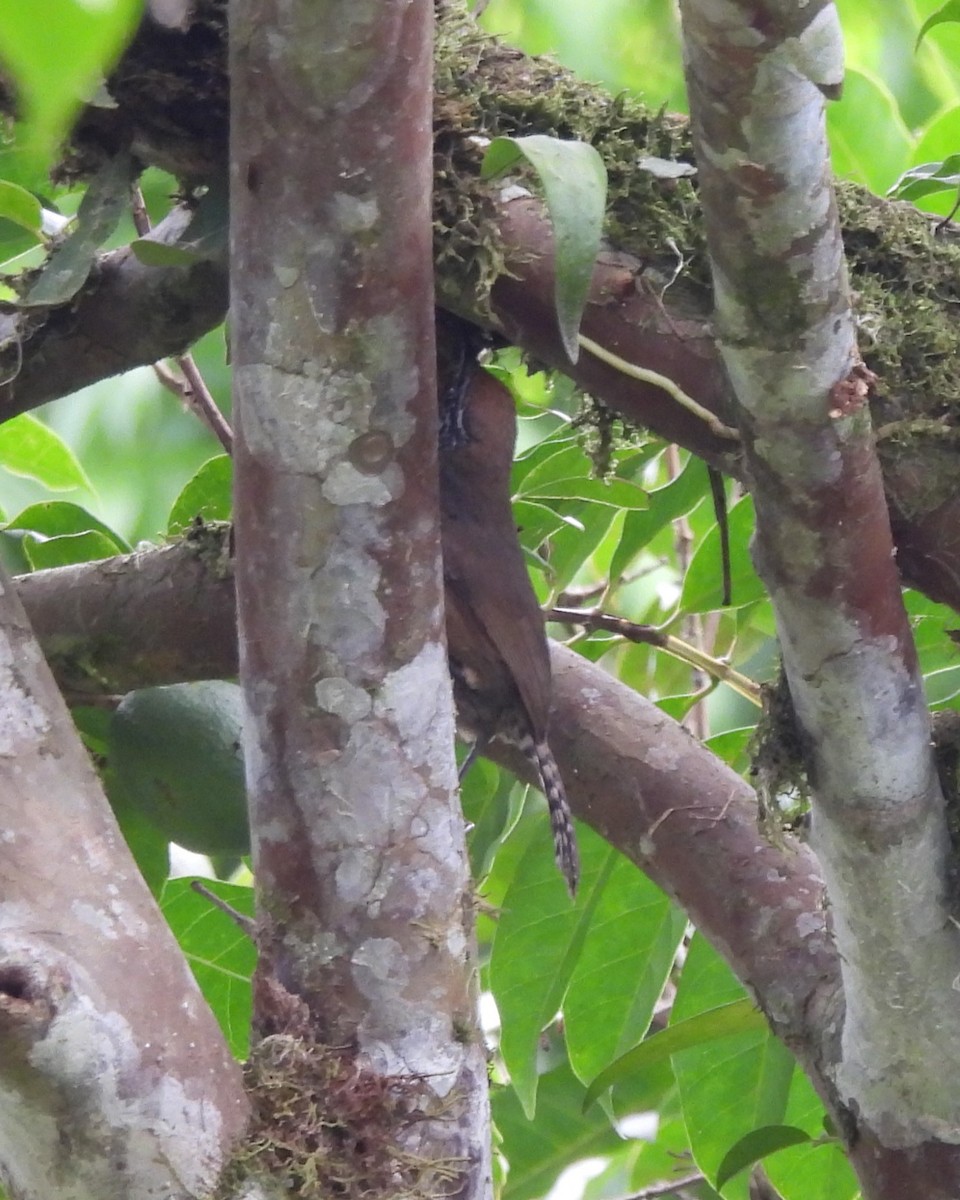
488	576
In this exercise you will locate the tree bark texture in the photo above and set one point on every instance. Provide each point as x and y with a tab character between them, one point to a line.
757	79
633	773
114	1077
365	921
171	89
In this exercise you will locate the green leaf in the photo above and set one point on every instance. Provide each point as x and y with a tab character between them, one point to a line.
31	449
492	802
703	583
950	12
815	1170
106	200
58	59
621	970
757	1145
574	183
753	1066
563	1134
66	551
221	954
538	940
149	847
665	504
60	533
875	151
616	493
738	1017
21	207
163	254
927	179
208	495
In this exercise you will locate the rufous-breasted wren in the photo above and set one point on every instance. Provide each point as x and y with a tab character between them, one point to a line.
497	646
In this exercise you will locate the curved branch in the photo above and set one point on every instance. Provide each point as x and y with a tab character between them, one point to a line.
633	773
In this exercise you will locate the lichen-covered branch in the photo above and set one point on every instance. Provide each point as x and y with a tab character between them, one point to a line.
787	333
365	932
634	774
114	1078
651	300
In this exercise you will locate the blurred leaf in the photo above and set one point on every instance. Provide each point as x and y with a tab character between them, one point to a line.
21	207
31	449
928	179
538	939
737	1017
817	1169
604	959
208	495
664	504
150	849
949	12
557	456
621	971
58	60
757	1145
163	254
492	802
574	183
873	152
221	955
562	1134
571	546
942	686
617	493
751	1066
106	200
67	550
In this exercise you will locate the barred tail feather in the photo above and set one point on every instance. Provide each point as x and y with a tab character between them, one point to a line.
561	819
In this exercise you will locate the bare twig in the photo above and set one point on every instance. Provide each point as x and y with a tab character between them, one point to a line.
668	1187
191	388
643	375
652	636
247	924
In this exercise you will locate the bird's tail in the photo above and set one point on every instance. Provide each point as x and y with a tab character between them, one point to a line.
561	819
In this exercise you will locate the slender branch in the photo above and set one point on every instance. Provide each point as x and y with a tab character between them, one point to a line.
652	636
644	375
668	1187
192	388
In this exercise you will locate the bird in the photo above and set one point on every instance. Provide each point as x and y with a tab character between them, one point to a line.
496	641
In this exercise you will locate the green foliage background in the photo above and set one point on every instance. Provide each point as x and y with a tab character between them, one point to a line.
128	451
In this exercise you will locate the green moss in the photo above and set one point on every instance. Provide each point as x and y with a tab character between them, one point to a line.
323	1125
485	90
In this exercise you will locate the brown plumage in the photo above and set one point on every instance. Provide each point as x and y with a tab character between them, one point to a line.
497	646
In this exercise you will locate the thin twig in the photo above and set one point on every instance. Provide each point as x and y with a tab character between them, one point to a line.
247	924
668	1187
651	636
191	388
643	375
696	717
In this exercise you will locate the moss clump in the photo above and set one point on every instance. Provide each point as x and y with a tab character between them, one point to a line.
323	1125
485	89
778	763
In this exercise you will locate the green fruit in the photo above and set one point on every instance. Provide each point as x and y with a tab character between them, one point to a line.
175	756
